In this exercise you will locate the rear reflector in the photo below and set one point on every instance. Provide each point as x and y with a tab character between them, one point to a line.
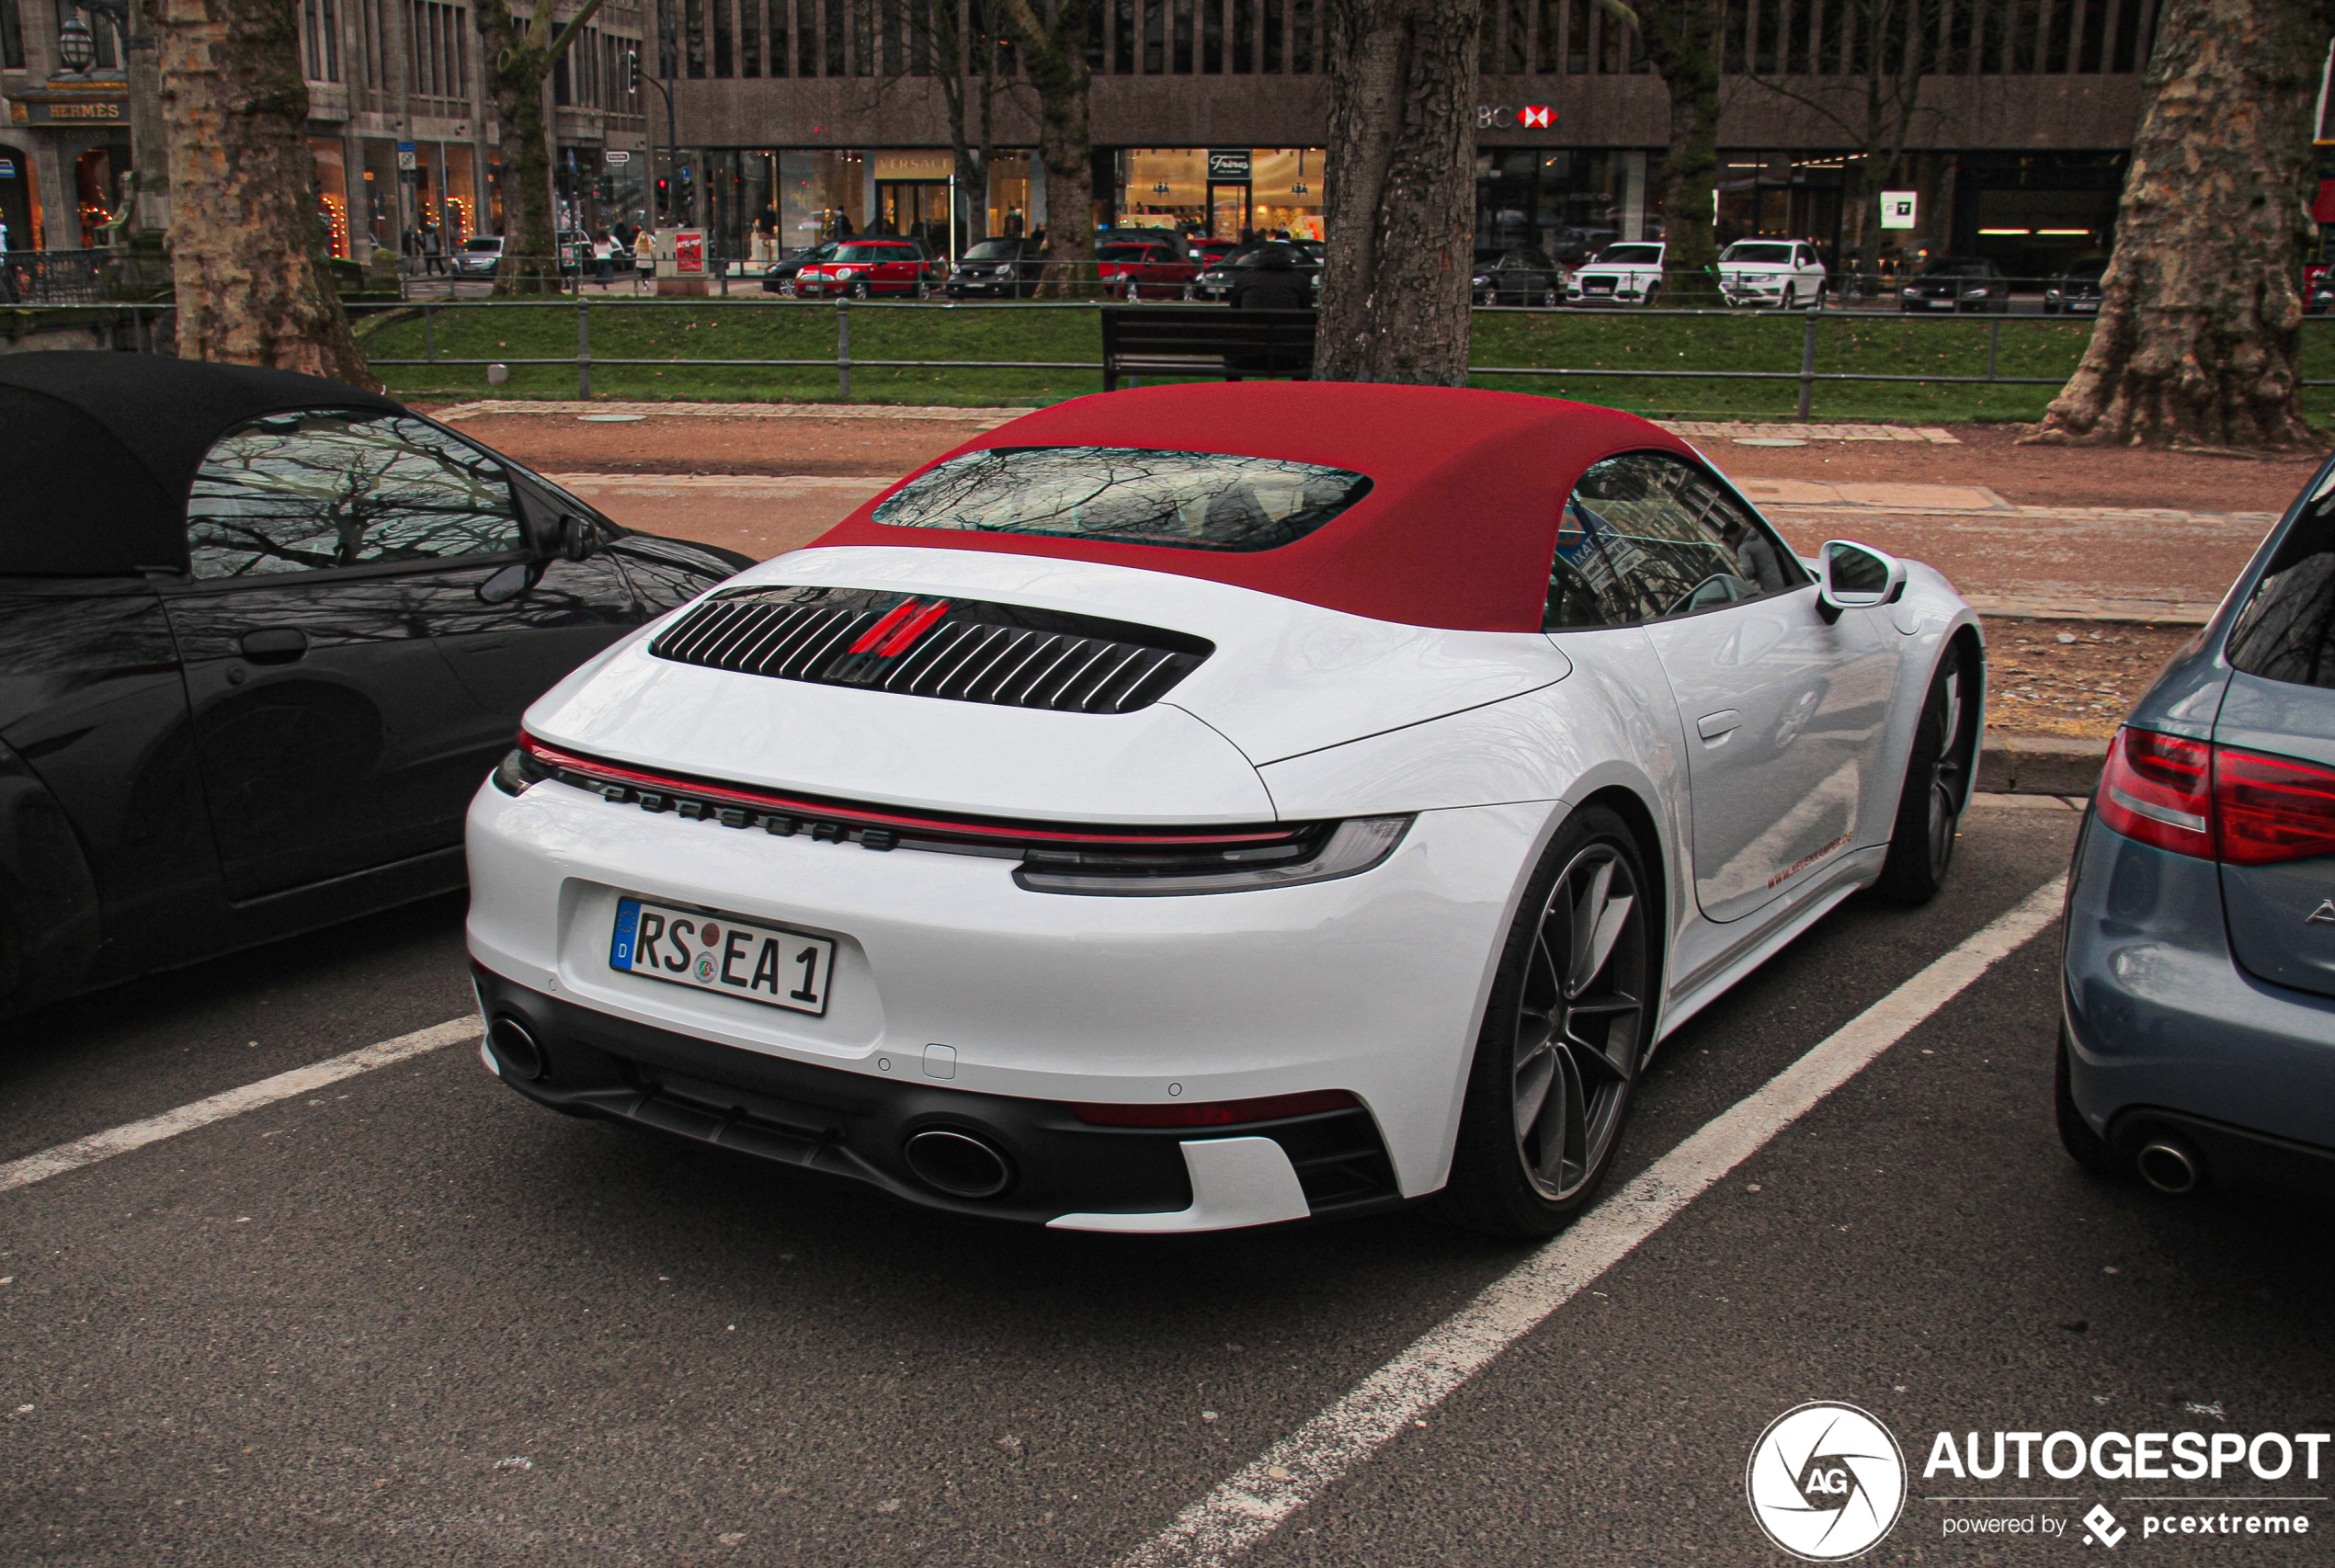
2214	801
1216	1113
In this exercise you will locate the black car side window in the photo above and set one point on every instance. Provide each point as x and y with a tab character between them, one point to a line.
1647	535
324	488
2286	631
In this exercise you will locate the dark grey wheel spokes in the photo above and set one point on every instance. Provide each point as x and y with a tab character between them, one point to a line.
1946	775
1580	1023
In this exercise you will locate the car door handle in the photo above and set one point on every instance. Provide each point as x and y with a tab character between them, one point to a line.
1717	726
274	645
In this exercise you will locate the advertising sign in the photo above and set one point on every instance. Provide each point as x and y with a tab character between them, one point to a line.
688	253
1896	209
1229	165
616	155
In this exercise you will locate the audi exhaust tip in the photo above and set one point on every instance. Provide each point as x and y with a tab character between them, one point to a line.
2170	1166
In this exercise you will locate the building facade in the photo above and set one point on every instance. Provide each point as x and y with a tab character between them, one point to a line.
401	122
1210	115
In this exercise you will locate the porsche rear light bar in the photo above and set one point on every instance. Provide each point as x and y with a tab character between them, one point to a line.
877	827
2216	802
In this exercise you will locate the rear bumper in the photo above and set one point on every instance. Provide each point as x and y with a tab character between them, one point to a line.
1061	1172
1371	983
2168	1032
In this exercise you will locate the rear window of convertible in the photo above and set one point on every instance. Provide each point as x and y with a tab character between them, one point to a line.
1127	496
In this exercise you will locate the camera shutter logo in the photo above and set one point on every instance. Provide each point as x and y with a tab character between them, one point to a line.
1826	1482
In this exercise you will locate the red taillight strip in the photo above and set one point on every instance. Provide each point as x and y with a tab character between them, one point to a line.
942	827
1216	1113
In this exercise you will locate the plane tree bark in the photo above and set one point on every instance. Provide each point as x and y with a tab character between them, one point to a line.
520	54
2201	311
247	249
1682	40
1398	193
1053	34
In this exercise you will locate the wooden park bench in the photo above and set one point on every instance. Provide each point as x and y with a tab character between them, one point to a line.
1205	340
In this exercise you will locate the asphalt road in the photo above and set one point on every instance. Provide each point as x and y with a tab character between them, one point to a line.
414	1319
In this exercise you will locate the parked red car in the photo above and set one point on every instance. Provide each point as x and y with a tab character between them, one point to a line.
1145	268
861	268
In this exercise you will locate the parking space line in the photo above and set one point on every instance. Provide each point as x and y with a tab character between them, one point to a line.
233	1102
1248	1506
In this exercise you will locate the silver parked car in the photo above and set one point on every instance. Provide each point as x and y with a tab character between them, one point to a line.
2199	997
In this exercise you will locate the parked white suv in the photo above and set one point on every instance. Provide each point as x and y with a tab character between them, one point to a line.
1632	272
1784	273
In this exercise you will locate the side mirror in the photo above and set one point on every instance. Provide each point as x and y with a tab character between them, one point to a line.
1856	577
509	583
579	541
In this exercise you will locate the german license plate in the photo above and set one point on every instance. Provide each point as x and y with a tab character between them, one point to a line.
719	952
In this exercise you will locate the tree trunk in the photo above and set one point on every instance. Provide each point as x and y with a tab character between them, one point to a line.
1055	57
246	248
1678	42
1399	193
2201	312
515	78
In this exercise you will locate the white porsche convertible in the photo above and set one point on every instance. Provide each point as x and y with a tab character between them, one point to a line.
1217	805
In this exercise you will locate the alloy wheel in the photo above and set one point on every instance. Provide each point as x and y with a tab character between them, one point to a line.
1579	1022
1946	775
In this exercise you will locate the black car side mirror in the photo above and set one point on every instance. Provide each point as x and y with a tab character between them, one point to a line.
579	541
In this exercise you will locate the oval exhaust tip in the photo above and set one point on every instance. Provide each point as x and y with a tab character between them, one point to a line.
2169	1165
515	1048
958	1163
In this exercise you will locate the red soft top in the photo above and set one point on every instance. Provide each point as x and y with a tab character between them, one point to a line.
1457	531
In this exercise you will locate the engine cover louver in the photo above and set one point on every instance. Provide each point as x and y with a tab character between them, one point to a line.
921	645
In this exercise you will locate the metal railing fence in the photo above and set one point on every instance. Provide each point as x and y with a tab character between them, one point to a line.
144	318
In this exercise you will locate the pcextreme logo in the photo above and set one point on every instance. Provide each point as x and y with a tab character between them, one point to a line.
1826	1482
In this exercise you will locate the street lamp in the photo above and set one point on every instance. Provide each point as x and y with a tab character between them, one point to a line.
75	47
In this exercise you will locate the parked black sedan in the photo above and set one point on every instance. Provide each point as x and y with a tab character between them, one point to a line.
261	636
2077	290
1005	268
1956	283
1521	275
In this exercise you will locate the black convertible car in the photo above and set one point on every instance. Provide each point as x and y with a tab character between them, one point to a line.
261	636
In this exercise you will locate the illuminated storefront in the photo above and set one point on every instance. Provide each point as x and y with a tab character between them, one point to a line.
1221	193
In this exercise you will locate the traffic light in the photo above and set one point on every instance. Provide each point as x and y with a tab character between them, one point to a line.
631	73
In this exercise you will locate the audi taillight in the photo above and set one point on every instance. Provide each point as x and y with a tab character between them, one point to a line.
2268	809
2158	789
2214	801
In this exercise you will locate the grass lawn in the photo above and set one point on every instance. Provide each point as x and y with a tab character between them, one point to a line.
676	333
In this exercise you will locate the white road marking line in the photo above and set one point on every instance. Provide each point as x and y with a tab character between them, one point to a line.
233	1102
1242	1511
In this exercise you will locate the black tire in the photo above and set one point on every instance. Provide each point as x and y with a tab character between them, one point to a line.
1558	1060
1937	779
2084	1146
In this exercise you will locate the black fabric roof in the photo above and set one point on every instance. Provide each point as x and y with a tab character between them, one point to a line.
98	452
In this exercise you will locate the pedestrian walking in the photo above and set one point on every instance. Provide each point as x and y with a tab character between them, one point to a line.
433	252
604	252
644	258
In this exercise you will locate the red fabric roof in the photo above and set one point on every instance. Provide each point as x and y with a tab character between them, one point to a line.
1457	531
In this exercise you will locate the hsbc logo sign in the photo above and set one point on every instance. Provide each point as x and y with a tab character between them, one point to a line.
1507	117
